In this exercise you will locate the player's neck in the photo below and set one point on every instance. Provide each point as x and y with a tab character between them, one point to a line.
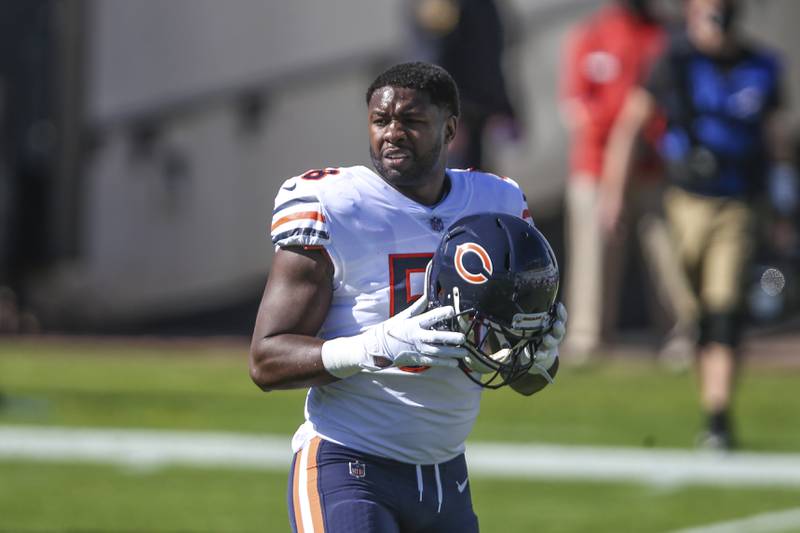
429	193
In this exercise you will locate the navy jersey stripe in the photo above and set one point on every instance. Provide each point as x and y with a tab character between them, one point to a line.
300	231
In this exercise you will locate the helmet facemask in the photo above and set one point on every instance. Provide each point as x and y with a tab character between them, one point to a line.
498	354
500	275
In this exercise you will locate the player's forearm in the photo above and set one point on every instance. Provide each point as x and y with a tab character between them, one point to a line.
783	180
574	113
287	362
622	140
777	138
618	159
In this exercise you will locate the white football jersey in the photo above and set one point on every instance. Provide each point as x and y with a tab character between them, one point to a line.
380	242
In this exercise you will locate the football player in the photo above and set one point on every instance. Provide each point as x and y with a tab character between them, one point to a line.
344	313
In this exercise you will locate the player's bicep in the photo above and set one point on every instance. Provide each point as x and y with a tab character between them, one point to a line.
298	294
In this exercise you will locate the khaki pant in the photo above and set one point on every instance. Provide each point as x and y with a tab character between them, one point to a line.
596	264
715	241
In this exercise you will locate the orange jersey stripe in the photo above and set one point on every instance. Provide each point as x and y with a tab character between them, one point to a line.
314	500
298	514
310	215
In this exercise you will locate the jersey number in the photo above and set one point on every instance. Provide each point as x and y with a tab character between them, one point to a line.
401	269
319	174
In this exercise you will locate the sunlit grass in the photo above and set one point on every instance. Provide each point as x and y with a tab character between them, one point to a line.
197	387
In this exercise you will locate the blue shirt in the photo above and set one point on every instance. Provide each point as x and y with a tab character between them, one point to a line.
719	105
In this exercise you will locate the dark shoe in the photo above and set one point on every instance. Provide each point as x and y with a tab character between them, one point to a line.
715	440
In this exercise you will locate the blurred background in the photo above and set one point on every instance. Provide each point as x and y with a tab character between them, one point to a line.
143	144
141	147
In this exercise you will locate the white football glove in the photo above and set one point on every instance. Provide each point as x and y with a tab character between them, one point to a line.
547	353
403	340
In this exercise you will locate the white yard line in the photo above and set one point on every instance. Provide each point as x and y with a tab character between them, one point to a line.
154	448
653	466
144	447
774	522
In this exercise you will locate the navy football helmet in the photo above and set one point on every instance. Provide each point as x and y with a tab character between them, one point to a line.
501	276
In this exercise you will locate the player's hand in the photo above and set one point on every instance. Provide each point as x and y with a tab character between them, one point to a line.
406	339
410	341
547	353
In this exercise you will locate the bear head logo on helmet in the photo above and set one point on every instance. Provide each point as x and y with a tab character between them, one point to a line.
501	276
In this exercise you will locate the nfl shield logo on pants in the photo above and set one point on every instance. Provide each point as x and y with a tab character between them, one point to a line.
357	470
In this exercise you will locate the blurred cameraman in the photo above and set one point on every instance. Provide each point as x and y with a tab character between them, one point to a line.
724	146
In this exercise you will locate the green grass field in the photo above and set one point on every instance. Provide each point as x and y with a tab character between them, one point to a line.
110	385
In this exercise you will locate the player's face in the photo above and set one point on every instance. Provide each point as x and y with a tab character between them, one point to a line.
708	22
408	136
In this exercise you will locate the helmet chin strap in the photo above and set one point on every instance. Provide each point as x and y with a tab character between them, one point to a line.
506	352
502	356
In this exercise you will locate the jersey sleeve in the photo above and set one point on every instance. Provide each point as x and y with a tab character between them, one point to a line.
299	217
526	213
521	202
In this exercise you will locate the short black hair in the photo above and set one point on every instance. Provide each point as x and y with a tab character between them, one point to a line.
431	79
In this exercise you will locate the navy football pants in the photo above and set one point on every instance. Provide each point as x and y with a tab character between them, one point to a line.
334	489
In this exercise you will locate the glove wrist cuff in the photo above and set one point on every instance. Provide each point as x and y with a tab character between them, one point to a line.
344	357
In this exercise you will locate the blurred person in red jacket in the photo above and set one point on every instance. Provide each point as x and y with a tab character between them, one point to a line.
606	55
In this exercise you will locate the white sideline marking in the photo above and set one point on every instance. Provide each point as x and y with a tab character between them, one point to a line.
763	523
153	448
668	467
144	447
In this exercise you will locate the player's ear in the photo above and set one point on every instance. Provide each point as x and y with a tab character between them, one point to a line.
450	125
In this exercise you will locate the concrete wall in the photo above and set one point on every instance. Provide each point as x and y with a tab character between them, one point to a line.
180	223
